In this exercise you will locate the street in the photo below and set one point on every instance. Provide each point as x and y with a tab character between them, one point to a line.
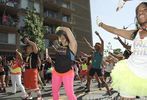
94	94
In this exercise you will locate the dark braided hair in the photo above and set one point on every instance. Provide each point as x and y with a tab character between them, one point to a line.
138	24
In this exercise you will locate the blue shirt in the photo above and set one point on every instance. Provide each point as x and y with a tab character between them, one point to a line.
97	60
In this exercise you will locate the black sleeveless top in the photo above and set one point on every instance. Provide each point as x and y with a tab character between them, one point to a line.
64	60
31	61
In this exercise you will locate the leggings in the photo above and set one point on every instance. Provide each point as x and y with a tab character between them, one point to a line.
68	81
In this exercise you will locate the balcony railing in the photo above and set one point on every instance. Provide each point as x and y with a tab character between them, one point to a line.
10	3
8	29
7	47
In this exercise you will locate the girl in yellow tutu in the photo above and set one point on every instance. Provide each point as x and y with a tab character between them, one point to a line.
130	76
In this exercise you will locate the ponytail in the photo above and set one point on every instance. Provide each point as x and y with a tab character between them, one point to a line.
134	34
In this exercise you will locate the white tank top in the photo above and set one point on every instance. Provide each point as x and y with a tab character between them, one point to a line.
138	59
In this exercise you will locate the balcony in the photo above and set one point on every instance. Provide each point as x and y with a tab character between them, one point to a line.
51	4
9	9
58	6
8	29
7	47
11	3
55	21
66	9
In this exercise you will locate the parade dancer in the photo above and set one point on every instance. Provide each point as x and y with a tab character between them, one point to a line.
96	67
15	70
63	70
129	76
127	52
31	68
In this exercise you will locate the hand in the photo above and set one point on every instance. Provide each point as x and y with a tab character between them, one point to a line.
57	29
66	29
98	21
16	50
117	38
97	33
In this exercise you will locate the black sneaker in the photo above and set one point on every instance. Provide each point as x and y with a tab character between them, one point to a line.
137	97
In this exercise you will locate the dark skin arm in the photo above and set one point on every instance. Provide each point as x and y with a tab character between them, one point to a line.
126	46
115	56
127	34
102	42
88	43
34	46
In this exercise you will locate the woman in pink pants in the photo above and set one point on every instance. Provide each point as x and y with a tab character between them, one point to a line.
63	71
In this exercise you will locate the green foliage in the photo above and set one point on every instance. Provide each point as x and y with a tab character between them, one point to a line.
117	51
34	28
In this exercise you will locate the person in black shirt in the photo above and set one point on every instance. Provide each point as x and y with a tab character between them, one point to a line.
31	68
64	61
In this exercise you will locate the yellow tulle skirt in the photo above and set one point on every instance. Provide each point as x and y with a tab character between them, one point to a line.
126	82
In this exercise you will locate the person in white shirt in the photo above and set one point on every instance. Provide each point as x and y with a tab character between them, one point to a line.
129	76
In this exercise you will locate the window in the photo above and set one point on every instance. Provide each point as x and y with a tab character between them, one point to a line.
7	38
24	4
65	18
50	29
50	13
4	38
37	7
30	4
11	38
66	5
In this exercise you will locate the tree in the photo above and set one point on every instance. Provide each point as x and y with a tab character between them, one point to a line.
34	28
117	51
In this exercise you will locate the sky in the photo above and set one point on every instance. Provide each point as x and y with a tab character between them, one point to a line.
106	10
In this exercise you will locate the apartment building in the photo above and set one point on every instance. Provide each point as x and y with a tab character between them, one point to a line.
74	14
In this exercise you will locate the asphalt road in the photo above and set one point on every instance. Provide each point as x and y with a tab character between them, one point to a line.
94	94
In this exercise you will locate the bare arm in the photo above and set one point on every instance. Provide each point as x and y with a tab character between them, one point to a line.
72	40
19	55
127	34
102	42
55	48
116	56
114	59
39	62
123	44
88	43
34	46
104	63
84	54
